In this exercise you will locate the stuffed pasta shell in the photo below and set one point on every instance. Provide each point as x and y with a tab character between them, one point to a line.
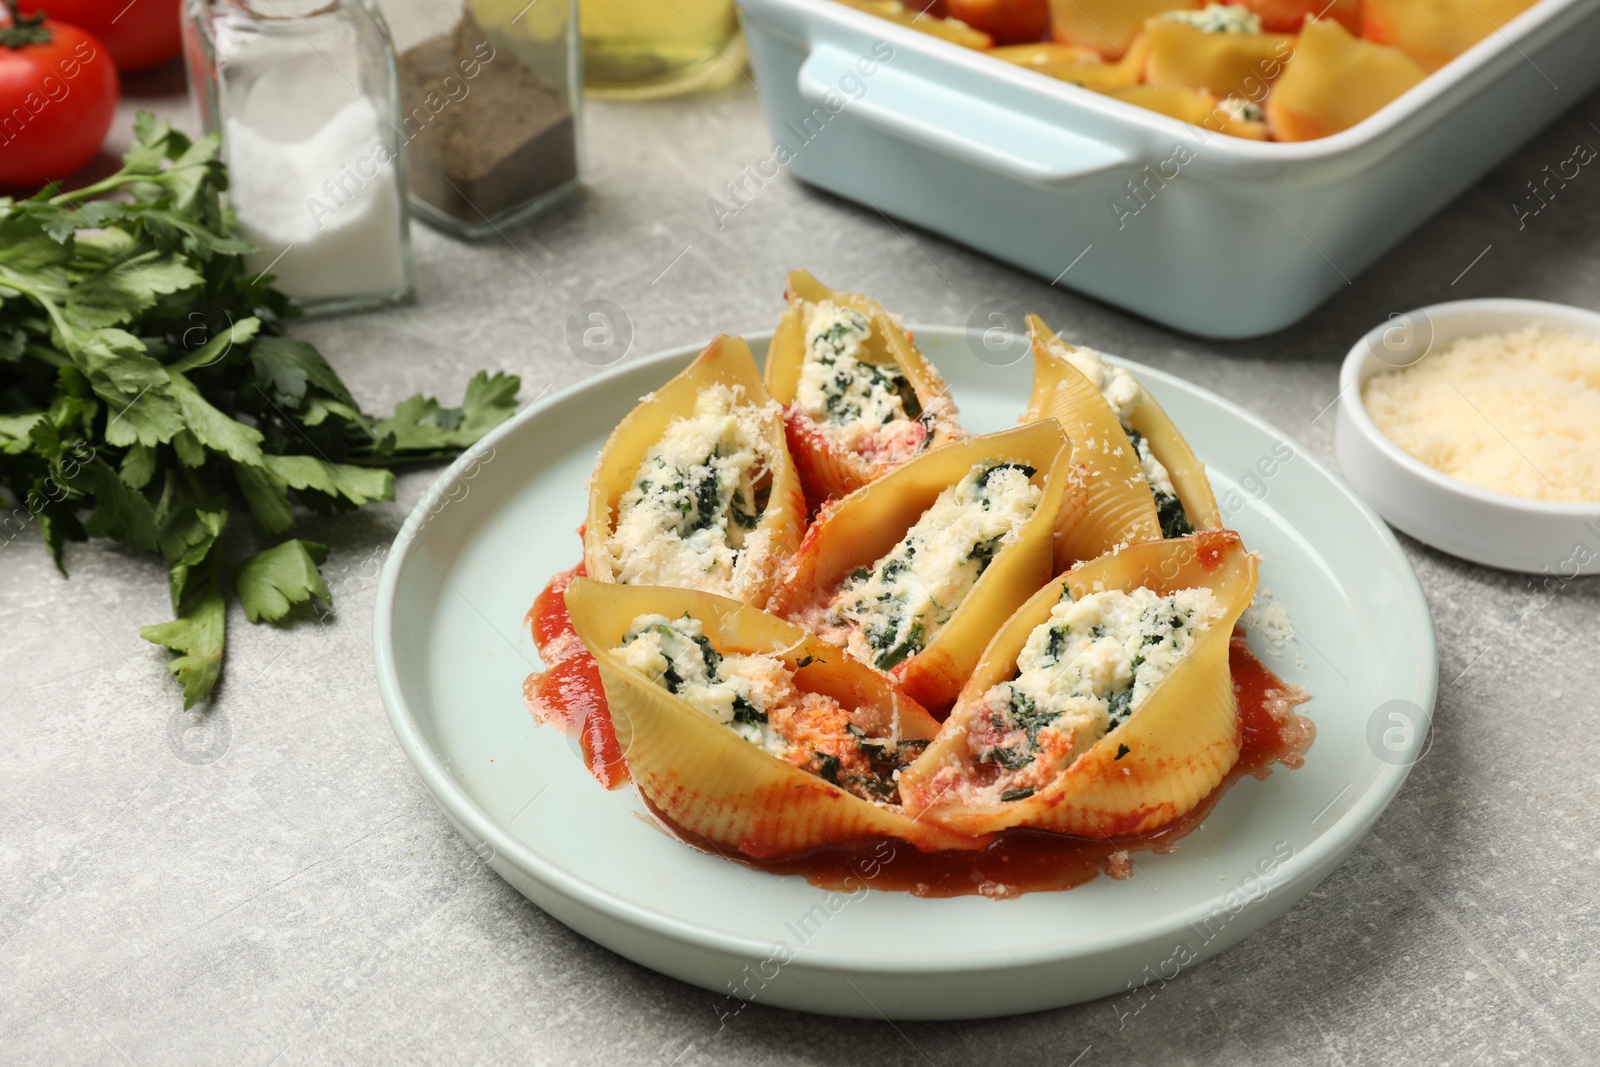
1106	498
746	730
1105	705
914	572
1136	478
695	487
859	398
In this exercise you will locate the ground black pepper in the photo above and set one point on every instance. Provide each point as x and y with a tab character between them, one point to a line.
485	133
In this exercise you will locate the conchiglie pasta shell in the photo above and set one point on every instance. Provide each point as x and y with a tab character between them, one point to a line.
1188	474
1189	479
1106	500
826	470
725	361
861	528
710	781
1182	739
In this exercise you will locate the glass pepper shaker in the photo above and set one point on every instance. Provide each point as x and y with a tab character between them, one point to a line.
305	97
489	108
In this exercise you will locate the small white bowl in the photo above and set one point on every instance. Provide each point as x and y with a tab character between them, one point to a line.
1496	529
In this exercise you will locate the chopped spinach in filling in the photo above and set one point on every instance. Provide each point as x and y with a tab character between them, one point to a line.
755	696
1218	18
1082	673
702	496
899	603
862	403
1241	109
697	499
1169	509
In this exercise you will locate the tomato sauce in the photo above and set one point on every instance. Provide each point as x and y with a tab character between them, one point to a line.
568	693
1212	545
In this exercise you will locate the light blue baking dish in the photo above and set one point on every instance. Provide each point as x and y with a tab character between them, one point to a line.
1213	235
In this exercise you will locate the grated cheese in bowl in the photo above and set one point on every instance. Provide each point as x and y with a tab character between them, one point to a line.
1515	413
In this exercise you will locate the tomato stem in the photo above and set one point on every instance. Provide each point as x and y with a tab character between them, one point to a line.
24	30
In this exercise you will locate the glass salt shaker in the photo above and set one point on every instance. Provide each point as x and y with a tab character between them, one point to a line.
489	108
305	96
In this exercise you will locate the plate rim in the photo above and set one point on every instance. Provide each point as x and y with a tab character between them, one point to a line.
466	813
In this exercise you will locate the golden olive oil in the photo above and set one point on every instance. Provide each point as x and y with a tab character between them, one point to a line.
657	47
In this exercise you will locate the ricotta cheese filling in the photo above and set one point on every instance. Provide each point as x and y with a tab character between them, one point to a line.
888	612
1241	109
864	407
756	697
1121	391
697	500
1082	673
1218	18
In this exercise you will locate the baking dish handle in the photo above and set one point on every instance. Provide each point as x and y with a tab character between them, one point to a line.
921	111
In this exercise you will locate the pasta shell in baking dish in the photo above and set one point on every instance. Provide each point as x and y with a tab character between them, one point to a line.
1105	705
746	730
859	398
695	487
1106	500
914	572
1173	474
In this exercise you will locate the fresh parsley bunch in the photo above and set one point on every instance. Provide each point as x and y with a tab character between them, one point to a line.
147	391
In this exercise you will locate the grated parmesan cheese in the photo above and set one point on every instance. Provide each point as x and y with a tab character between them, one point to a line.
888	612
1513	413
757	697
1082	672
1122	393
865	407
693	516
1266	619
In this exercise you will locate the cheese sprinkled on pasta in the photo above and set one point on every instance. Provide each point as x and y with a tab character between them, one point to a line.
1121	391
1083	671
693	510
888	612
756	697
865	407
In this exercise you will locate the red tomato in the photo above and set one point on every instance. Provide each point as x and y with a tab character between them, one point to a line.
57	100
140	33
1007	21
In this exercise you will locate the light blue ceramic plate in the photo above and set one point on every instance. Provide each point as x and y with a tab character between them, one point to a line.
452	651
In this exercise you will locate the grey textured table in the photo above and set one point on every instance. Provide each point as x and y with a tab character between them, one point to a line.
299	897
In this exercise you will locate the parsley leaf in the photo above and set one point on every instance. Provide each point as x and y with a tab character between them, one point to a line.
119	512
422	427
148	386
120	292
197	636
285	367
358	485
273	581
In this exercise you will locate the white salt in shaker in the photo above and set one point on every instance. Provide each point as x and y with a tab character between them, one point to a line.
305	96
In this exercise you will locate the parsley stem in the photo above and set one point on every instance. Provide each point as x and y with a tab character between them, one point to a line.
104	185
14	281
